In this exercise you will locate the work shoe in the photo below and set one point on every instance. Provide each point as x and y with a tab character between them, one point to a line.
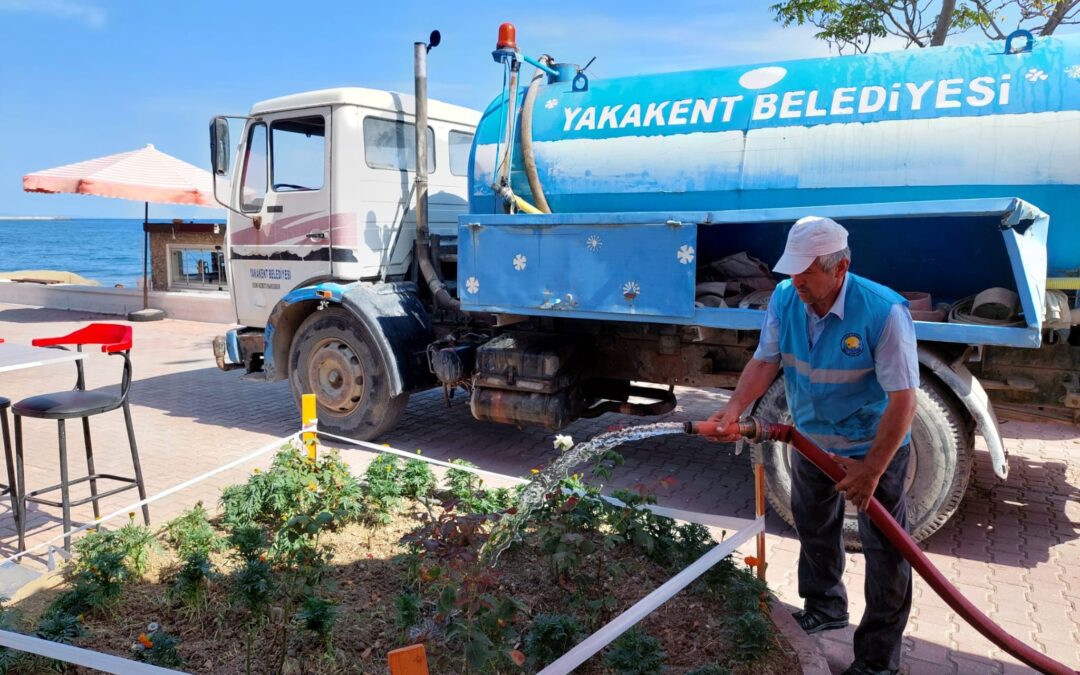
859	669
812	622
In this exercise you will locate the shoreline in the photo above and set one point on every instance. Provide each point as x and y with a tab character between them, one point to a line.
35	218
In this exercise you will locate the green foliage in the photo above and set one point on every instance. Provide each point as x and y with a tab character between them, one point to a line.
252	585
57	626
417	479
382	488
549	637
191	582
293	485
635	653
854	24
407	610
10	659
750	635
711	669
158	648
468	490
192	534
317	614
133	543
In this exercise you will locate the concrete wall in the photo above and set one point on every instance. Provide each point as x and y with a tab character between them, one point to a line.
208	306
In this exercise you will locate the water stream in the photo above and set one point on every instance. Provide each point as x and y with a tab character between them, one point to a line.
532	496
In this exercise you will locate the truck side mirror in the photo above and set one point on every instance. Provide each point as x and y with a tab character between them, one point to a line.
219	146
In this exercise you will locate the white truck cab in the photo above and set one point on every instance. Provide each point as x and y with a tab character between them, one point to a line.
323	190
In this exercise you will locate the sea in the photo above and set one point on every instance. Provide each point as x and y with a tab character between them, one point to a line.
109	251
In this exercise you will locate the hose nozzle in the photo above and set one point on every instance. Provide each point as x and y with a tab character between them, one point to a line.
752	429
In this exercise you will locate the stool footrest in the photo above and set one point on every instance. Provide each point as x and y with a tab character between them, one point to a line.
130	483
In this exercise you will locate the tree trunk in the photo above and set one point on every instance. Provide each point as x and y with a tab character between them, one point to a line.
1060	10
944	20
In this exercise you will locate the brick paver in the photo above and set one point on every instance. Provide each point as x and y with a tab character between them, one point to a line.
1013	545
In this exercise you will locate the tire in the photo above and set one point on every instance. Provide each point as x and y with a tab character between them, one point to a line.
942	458
333	357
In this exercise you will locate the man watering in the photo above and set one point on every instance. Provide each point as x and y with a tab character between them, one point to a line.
847	347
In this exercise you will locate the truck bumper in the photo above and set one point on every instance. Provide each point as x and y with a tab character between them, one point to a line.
239	348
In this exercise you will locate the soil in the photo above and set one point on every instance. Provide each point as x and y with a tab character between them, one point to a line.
368	572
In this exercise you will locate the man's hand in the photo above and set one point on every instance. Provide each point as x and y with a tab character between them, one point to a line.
725	417
859	484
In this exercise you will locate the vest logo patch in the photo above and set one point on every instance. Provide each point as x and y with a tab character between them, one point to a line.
851	344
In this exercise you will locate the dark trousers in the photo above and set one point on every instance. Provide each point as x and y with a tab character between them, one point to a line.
819	519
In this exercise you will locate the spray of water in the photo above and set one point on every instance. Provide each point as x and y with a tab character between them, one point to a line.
532	496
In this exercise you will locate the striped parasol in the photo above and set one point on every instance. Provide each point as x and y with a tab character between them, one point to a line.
145	175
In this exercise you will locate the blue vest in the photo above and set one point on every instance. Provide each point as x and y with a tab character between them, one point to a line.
832	389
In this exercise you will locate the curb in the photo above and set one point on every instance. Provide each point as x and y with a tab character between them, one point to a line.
811	658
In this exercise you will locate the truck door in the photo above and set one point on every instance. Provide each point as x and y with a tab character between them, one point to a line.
283	238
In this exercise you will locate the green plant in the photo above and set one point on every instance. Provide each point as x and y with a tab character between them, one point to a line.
10	659
468	490
191	533
157	648
191	582
635	653
382	488
710	669
252	585
417	479
549	637
407	611
749	634
293	484
317	615
133	542
58	626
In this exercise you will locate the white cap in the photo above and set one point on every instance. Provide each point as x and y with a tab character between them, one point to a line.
808	238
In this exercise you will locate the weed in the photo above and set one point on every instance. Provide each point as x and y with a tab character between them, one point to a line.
468	490
750	635
635	653
132	542
549	637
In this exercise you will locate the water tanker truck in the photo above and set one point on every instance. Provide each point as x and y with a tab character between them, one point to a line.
585	246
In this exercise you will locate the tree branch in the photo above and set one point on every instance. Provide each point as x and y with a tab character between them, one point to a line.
1058	16
944	20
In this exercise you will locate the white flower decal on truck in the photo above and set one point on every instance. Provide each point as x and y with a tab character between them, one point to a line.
686	254
519	262
472	285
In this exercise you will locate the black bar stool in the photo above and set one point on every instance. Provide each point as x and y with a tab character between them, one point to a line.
114	339
9	462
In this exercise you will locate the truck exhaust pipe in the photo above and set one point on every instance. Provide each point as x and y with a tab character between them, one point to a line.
423	235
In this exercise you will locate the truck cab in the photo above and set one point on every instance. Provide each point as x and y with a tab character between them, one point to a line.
320	189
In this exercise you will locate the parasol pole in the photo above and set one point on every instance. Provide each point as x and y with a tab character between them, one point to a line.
145	255
146	314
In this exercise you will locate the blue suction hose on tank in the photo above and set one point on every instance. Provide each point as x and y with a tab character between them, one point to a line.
758	431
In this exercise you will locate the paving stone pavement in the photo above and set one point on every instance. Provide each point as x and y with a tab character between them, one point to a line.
1013	547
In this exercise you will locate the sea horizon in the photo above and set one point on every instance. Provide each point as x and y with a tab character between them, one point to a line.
106	250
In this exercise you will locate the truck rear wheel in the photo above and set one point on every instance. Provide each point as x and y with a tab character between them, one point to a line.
942	457
332	357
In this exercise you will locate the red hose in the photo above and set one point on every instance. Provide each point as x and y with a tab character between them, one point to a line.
758	431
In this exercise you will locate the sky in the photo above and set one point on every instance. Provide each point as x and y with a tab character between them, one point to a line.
82	79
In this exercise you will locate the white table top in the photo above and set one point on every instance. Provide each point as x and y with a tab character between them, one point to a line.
16	357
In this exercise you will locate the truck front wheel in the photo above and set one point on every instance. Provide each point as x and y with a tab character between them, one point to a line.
942	457
333	357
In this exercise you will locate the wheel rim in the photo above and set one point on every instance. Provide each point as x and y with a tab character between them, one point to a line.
337	376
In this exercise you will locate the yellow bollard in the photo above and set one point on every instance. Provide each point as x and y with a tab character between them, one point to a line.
411	660
307	415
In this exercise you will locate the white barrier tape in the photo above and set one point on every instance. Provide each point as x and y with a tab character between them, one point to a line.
79	656
149	500
412	455
620	624
709	519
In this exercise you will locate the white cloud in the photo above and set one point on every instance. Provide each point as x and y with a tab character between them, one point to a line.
67	10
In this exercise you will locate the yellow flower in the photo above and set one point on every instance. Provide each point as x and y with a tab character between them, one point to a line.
257	471
313	486
534	471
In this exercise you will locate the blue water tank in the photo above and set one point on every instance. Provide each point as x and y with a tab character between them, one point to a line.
941	123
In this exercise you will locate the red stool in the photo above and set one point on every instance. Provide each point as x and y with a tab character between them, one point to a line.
81	404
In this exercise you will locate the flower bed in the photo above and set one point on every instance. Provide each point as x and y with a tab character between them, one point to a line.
308	569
